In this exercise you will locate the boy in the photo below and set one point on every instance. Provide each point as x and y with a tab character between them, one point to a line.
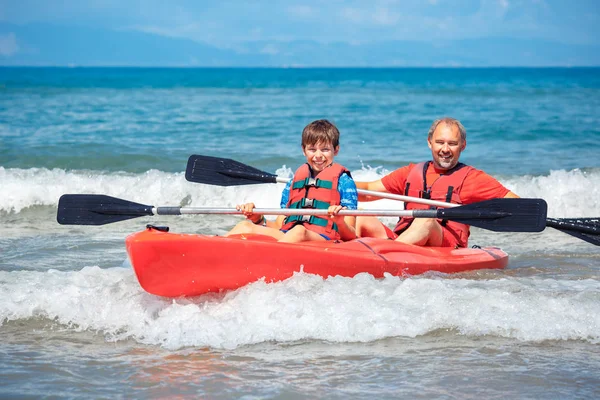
334	190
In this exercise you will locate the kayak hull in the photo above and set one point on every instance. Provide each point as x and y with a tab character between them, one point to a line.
174	265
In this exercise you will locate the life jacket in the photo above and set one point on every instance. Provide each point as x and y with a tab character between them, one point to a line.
446	188
318	192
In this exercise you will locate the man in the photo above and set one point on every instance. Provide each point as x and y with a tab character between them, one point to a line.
442	179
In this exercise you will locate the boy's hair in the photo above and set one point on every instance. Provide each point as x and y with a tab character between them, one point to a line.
320	131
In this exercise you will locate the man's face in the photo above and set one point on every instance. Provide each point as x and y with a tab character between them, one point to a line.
446	146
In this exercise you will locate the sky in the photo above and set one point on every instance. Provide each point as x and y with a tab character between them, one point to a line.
228	24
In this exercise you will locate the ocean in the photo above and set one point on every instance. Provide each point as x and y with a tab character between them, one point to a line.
75	323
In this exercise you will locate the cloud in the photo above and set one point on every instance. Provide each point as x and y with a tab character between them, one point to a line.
300	11
270	49
353	15
8	45
231	23
384	16
380	16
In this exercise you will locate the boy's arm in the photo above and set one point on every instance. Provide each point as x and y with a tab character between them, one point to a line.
345	224
348	200
346	227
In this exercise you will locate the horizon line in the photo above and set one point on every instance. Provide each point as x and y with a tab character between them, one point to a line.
68	66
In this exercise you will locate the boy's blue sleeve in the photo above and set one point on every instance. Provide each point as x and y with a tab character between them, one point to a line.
348	192
285	195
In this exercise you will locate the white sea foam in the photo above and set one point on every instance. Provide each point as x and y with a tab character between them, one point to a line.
361	309
574	193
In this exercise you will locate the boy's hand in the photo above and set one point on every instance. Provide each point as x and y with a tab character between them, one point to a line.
345	223
248	210
333	212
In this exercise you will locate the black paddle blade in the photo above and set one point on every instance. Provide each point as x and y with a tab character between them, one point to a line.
224	172
587	229
95	209
590	238
501	215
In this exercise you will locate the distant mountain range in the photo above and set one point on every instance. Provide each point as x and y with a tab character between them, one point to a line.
51	45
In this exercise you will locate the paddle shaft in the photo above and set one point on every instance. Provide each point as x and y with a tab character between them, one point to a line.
227	172
569	226
305	211
585	226
515	215
391	196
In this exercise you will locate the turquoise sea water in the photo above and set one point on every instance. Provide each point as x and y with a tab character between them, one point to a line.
519	121
73	313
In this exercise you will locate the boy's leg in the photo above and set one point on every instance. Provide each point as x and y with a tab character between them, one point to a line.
247	227
300	234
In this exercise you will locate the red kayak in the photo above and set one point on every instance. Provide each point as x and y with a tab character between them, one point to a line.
173	265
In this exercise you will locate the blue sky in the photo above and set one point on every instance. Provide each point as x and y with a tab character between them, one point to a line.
228	24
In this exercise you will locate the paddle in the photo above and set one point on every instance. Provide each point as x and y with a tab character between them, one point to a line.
587	229
227	172
500	215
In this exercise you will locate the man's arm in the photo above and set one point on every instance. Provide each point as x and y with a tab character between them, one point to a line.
375	186
479	186
393	182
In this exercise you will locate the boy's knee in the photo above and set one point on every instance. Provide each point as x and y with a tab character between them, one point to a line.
244	224
298	231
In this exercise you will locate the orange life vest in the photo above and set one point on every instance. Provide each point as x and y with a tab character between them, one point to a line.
445	188
318	192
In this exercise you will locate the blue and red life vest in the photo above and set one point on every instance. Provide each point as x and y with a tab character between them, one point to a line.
318	192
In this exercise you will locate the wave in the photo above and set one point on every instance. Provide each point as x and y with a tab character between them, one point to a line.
573	193
305	307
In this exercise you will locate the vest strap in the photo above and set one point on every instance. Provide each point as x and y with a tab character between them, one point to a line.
311	219
310	203
312	182
449	194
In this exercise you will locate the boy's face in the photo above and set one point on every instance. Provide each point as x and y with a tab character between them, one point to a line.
320	155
